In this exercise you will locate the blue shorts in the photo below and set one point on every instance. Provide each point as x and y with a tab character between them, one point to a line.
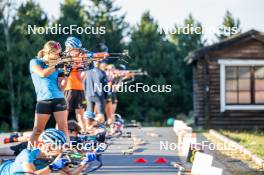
99	102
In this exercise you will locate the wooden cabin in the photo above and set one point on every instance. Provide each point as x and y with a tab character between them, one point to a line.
228	82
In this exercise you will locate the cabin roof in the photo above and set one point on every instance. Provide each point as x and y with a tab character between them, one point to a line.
198	53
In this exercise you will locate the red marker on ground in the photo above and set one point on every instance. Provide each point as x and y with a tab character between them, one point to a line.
140	160
161	160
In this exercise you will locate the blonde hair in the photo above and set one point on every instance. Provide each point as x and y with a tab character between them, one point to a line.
50	46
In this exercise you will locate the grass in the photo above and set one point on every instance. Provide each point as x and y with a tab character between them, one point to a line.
252	140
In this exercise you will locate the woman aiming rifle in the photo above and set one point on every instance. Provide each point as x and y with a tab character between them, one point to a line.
48	84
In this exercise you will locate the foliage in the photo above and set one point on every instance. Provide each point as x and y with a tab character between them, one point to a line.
161	56
229	22
252	140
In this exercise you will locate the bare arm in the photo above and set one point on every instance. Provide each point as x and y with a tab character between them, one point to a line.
82	75
62	82
110	84
128	76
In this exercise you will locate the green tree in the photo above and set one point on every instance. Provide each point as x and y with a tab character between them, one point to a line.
186	43
3	90
71	13
152	52
229	27
95	15
105	14
7	7
15	76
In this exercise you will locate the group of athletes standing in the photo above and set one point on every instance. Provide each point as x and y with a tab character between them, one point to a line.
59	93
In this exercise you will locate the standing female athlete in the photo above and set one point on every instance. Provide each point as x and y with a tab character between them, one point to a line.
48	85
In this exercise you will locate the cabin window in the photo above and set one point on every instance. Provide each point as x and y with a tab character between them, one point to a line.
244	85
259	85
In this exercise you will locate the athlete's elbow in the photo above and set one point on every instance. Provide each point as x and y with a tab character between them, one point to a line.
42	75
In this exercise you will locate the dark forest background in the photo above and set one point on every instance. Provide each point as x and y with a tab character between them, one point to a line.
162	56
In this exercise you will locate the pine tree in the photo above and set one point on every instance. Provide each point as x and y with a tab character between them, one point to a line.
185	43
229	27
20	47
105	14
152	52
71	13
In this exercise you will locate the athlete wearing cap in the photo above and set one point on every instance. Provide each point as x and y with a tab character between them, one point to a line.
95	90
74	90
52	141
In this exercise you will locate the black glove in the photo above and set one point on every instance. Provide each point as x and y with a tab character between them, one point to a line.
100	137
80	69
68	71
59	65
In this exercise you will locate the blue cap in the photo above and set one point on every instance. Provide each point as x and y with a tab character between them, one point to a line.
73	42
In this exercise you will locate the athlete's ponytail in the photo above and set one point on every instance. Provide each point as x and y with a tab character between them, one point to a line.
41	53
49	47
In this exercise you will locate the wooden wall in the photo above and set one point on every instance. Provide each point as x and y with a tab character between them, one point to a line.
206	72
199	92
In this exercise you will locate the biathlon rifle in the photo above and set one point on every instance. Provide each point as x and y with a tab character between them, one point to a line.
85	58
138	72
132	72
75	158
